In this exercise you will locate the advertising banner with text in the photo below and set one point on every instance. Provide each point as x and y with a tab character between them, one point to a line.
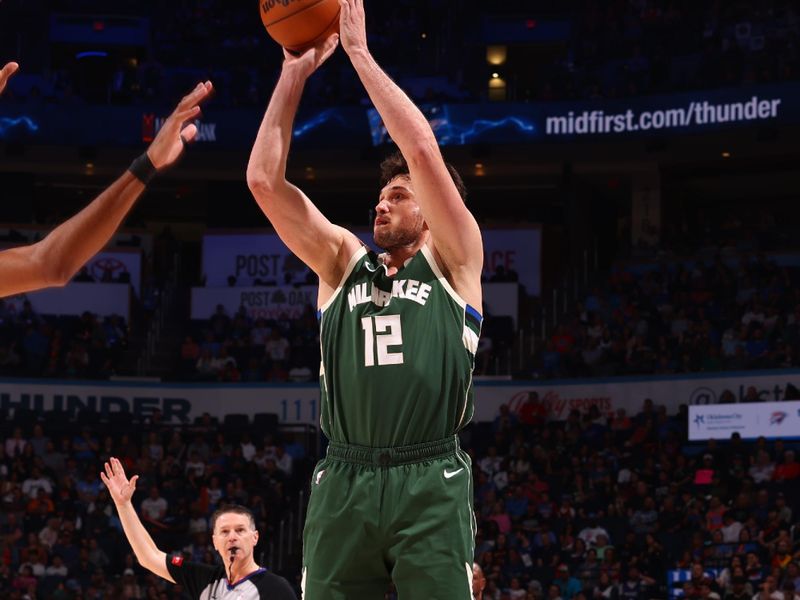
767	419
299	403
501	299
259	302
560	397
454	124
263	256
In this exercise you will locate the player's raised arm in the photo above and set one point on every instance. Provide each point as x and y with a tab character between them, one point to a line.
121	490
323	246
5	74
454	230
54	260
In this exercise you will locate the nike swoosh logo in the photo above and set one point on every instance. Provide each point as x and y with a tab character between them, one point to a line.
450	474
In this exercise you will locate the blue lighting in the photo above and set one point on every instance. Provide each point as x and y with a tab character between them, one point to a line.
450	133
461	135
326	116
7	124
91	54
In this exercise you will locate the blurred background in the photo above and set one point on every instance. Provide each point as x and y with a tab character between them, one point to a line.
633	166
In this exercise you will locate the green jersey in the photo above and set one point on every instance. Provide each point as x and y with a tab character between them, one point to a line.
397	355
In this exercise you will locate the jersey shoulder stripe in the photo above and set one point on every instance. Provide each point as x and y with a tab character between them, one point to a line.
357	256
426	252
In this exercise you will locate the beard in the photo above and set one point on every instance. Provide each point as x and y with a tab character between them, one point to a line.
389	238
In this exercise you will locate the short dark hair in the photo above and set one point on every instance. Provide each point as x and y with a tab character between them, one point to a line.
232	508
395	165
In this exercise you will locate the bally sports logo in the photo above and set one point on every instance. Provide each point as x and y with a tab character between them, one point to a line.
777	417
557	406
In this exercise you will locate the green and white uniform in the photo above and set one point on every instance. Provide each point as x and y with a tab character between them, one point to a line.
393	498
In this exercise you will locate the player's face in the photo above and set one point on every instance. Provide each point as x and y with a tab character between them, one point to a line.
234	535
398	219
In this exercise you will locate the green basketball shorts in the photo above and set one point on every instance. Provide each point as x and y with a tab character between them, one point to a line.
380	515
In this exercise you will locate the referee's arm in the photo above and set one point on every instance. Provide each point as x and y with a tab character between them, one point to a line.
121	490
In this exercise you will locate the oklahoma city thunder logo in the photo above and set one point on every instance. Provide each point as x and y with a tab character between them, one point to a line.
777	418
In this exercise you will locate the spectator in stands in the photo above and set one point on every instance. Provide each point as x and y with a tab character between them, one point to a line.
592	532
154	507
789	469
567	585
190	354
763	468
478	582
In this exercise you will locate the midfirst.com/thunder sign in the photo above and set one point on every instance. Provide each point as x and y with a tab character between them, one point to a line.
694	114
762	419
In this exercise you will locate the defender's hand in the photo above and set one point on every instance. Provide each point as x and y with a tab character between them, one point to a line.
309	61
168	145
353	26
119	487
6	73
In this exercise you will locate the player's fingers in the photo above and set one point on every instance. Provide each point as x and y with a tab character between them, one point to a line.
329	47
344	7
109	473
331	43
189	133
8	70
134	479
200	93
187	113
192	97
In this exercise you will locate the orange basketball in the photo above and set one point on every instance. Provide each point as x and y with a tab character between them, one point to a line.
299	24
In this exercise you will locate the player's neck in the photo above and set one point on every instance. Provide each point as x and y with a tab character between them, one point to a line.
396	258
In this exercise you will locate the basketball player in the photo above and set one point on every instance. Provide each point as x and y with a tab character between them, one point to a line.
393	498
234	535
55	259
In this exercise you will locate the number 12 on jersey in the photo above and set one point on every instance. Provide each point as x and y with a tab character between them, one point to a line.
381	332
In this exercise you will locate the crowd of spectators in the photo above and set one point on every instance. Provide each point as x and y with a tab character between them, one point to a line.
82	347
602	507
225	42
596	506
60	537
624	49
240	348
608	50
680	318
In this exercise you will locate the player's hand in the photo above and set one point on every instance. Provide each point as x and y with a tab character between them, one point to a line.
353	26
119	487
168	145
309	61
6	73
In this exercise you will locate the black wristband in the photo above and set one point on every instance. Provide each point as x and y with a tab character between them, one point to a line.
143	169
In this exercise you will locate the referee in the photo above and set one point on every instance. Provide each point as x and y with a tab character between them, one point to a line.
234	534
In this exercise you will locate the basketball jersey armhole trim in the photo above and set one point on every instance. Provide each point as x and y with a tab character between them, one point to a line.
358	255
426	252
